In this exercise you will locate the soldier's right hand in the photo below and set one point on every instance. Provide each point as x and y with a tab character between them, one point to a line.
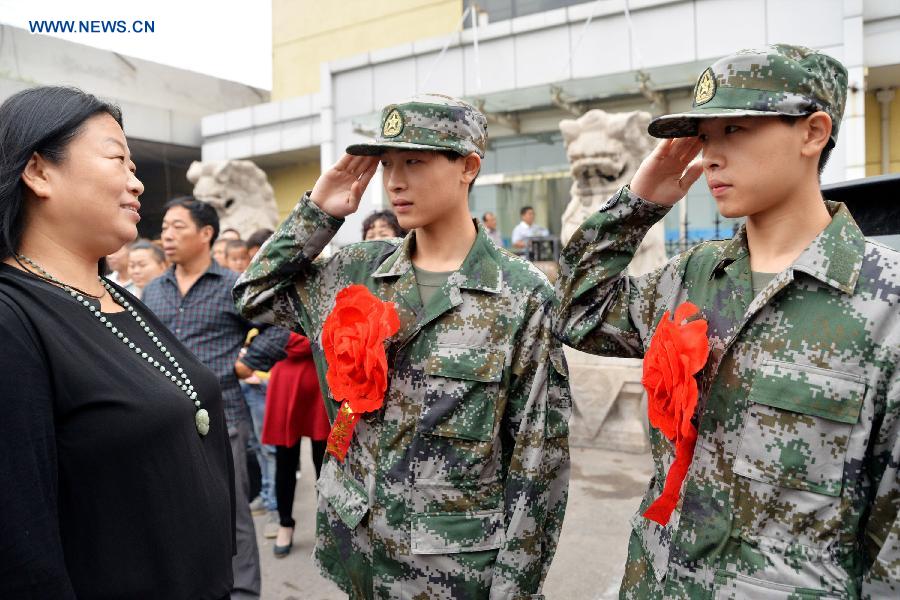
339	189
671	169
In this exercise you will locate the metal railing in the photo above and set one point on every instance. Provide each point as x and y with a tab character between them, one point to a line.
721	230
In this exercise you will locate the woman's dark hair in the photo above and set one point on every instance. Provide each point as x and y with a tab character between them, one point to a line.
386	216
155	251
42	120
202	213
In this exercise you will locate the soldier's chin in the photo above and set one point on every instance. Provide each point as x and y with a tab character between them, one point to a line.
730	210
409	222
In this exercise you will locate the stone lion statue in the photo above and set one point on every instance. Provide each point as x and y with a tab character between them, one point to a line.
240	192
604	150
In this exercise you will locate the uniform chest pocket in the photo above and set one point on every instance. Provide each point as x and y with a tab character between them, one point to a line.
797	427
461	389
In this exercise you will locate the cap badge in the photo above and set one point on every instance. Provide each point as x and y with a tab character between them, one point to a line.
393	124
706	88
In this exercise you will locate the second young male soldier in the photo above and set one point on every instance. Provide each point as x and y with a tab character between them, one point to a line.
457	486
793	489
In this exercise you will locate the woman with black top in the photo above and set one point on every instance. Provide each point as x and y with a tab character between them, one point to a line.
115	467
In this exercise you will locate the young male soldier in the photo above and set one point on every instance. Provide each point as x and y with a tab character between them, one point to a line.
793	489
456	487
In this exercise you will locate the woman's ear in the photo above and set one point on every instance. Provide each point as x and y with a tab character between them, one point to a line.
471	167
37	177
817	133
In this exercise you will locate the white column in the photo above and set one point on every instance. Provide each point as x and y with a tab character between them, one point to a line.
326	126
327	156
885	97
853	127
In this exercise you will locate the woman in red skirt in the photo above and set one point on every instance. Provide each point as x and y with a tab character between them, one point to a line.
294	409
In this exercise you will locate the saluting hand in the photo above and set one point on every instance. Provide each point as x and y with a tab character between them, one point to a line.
339	189
665	176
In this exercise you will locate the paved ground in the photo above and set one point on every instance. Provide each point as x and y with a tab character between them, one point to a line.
604	492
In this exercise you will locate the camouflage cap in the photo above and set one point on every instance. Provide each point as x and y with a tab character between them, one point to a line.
428	122
776	80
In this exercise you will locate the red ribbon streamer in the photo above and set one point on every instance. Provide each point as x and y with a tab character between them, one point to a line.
662	508
342	432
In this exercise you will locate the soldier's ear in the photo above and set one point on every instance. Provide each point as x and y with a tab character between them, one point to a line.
471	167
816	133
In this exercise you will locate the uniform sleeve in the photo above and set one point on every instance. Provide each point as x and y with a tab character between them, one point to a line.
882	531
267	347
535	438
31	555
266	291
601	309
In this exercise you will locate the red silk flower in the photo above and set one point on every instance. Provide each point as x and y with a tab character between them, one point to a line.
678	350
353	340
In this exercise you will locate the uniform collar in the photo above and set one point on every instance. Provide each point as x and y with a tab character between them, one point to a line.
834	257
479	271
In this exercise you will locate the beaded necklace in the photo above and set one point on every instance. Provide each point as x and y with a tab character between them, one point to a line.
201	416
54	282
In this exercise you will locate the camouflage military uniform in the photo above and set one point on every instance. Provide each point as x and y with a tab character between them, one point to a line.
457	487
794	490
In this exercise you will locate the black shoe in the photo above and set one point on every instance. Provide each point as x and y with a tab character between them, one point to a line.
282	551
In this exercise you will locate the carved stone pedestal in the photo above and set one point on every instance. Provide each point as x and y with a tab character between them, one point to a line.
610	407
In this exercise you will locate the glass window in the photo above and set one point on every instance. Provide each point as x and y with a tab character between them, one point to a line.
502	10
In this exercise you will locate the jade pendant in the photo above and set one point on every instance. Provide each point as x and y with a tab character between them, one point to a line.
202	421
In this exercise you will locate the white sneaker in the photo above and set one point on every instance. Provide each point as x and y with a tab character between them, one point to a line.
257	508
270	529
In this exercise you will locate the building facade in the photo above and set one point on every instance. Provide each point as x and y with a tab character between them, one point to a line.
161	106
530	64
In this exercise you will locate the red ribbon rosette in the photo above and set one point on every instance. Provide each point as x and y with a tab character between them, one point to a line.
678	350
353	340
